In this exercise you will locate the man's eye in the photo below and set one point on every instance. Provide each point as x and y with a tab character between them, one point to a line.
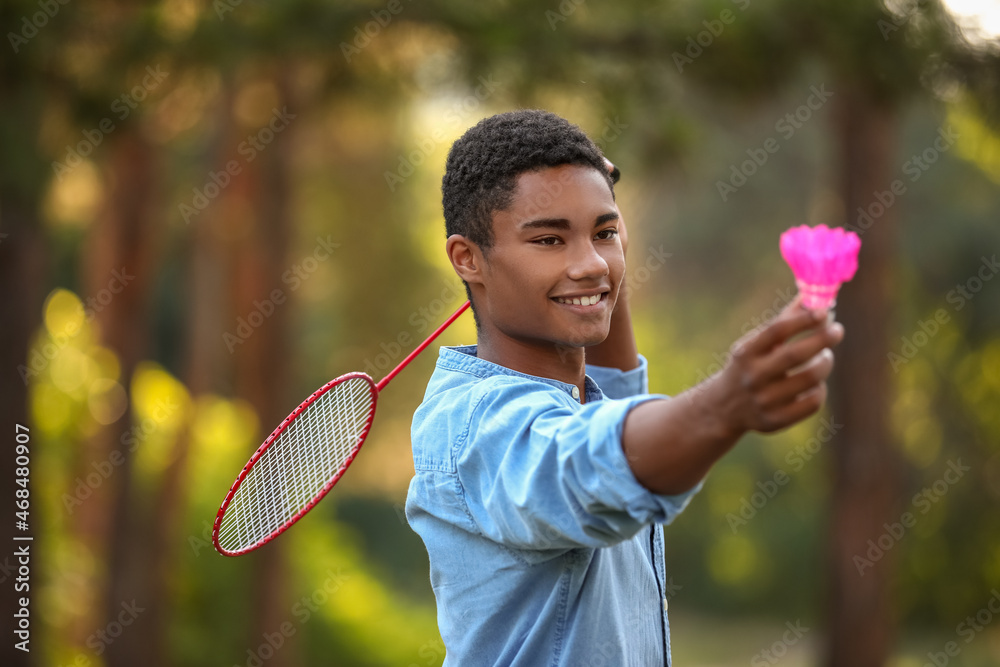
545	241
612	230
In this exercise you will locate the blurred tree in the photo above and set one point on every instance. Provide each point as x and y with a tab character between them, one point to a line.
125	242
24	263
257	202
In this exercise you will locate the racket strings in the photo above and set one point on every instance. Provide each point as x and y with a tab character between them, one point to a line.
304	458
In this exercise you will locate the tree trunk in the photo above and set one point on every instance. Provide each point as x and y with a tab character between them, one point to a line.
866	466
123	241
263	359
24	272
203	369
22	275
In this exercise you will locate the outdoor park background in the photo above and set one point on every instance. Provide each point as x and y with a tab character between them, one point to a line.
172	168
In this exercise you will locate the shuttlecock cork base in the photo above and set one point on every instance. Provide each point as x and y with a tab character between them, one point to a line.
816	297
822	259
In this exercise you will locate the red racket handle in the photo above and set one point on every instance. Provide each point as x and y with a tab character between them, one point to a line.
454	316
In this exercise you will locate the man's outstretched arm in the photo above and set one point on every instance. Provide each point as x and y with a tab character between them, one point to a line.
671	444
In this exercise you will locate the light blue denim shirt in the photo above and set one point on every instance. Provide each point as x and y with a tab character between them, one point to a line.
544	548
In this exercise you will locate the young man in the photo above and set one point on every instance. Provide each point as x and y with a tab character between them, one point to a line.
543	465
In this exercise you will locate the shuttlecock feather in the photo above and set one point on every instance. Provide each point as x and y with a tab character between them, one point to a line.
822	259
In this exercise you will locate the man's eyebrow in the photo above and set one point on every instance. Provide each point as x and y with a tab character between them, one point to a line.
563	223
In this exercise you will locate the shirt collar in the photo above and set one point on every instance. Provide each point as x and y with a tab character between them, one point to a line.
463	358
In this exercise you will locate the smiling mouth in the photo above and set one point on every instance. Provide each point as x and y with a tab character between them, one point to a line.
583	301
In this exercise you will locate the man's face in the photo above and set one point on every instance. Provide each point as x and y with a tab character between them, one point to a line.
556	242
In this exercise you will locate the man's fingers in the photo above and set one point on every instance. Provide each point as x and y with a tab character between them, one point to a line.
805	404
812	374
793	319
786	357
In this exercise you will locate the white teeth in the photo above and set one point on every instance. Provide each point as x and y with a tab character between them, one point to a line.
581	301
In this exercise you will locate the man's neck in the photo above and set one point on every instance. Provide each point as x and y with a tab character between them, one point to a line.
550	360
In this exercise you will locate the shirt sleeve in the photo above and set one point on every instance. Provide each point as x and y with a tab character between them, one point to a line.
616	383
540	471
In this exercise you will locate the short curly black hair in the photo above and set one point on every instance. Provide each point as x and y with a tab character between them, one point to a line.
483	166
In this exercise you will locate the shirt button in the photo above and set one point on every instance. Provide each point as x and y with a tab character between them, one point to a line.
664	604
575	392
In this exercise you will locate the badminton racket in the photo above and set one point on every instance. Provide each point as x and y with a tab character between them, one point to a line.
306	455
302	459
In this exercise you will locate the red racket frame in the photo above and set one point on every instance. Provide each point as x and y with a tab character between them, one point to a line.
373	387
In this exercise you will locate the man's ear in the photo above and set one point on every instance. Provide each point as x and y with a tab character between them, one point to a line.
466	257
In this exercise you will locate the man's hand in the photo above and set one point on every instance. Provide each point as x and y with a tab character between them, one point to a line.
622	232
769	382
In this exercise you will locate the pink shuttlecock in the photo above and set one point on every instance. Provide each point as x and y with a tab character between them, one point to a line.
821	259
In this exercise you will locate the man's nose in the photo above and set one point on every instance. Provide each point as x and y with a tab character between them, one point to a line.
586	262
